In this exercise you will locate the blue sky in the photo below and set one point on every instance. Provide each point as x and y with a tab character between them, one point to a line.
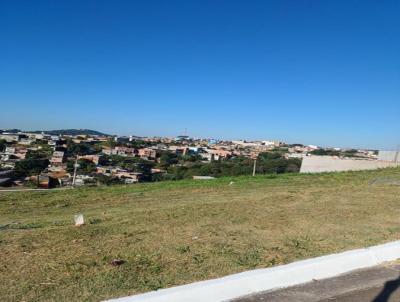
314	72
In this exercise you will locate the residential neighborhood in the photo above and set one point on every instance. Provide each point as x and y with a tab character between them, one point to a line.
40	159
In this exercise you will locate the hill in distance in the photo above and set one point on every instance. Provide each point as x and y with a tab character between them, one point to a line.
73	132
62	132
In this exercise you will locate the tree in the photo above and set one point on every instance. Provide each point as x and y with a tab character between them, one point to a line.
108	180
30	166
191	158
3	145
111	143
85	166
325	152
38	154
168	159
74	149
269	155
145	169
178	171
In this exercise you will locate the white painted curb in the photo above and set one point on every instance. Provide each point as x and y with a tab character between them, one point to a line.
254	281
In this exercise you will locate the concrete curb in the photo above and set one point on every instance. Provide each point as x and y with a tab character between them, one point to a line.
242	284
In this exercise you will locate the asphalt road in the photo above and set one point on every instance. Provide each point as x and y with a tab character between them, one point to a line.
377	284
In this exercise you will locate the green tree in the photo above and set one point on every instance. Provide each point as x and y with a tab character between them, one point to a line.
168	159
38	154
111	143
3	145
30	166
145	169
325	152
108	180
269	155
74	149
85	166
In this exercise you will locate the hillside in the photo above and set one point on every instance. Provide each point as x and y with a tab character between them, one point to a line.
172	233
61	131
72	132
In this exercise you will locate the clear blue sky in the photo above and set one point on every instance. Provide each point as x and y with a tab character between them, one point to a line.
314	72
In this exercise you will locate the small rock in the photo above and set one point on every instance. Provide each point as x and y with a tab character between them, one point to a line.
117	262
79	220
195	238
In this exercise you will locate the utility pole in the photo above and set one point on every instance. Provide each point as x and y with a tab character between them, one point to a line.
396	159
254	166
75	168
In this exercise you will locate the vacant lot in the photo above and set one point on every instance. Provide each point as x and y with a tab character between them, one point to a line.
177	232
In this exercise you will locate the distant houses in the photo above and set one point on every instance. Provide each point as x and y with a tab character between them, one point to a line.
90	159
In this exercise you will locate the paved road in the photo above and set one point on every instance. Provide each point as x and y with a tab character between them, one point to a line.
378	284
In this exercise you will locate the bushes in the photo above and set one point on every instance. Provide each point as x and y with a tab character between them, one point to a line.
272	163
85	166
3	145
30	166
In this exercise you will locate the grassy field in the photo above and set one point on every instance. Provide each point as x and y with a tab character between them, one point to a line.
173	233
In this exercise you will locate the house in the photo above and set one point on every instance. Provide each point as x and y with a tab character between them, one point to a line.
57	159
122	139
131	177
81	180
194	150
10	150
125	151
36	136
178	150
105	170
271	143
16	152
147	153
128	176
26	141
10	137
44	181
122	151
60	175
109	151
212	141
207	156
57	169
221	153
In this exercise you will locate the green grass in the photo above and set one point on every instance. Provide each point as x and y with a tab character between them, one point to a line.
173	233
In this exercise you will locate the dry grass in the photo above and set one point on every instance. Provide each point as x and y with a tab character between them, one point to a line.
177	232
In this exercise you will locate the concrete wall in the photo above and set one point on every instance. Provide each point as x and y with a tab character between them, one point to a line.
393	156
317	164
